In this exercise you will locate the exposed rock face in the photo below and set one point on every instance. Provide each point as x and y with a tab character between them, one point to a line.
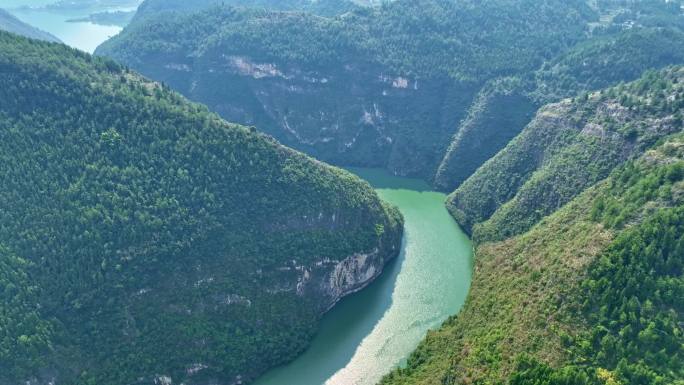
350	274
235	248
334	281
353	114
325	281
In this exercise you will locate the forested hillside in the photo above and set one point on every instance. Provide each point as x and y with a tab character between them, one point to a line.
498	113
505	106
594	293
10	23
384	86
411	86
145	240
566	148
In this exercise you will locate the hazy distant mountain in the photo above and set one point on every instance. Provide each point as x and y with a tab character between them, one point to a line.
11	24
93	5
118	18
321	7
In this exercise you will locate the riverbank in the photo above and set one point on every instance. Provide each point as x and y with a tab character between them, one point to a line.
372	331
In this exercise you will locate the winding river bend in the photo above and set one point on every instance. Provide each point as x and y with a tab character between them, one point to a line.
370	332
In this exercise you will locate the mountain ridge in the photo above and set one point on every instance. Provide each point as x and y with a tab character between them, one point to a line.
156	236
397	97
557	303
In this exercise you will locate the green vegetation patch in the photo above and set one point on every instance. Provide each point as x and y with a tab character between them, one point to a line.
590	295
143	236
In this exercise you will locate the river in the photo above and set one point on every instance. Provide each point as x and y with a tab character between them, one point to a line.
368	333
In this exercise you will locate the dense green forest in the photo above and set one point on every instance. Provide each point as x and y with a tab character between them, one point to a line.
143	236
505	106
525	33
608	60
411	86
593	294
568	147
381	87
498	113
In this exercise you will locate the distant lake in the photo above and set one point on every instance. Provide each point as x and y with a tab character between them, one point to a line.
85	36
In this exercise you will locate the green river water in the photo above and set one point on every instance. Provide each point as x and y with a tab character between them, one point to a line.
368	333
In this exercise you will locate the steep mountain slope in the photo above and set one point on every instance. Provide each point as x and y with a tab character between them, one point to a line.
500	111
414	87
107	18
505	106
593	294
144	240
382	86
10	23
566	148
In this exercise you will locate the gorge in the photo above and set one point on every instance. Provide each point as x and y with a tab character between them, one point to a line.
369	333
145	240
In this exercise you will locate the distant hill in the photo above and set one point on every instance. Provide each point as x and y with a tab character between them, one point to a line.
91	5
152	8
10	23
118	18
